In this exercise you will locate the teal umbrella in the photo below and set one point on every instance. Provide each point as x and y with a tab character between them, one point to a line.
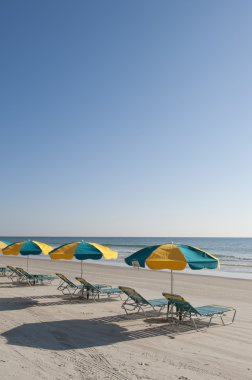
82	250
3	244
174	257
27	248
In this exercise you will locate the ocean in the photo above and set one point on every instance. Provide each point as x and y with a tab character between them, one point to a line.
235	254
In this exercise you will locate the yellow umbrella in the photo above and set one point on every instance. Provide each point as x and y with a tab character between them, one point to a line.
3	244
82	250
27	248
174	257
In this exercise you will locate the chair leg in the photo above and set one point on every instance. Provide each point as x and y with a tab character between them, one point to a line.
210	320
228	323
141	308
195	326
234	316
222	319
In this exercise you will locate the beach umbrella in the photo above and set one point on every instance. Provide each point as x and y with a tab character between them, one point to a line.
82	250
27	248
3	244
174	257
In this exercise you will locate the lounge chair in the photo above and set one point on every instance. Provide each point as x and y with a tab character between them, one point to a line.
4	271
21	276
33	279
136	301
97	290
135	264
67	287
15	275
185	310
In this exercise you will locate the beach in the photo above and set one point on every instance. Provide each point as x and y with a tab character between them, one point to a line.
125	167
48	336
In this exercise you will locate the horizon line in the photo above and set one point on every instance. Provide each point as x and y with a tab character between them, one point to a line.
122	236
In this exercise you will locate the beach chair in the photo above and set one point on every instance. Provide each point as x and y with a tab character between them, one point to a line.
15	275
137	302
185	310
97	290
4	271
67	287
33	279
135	264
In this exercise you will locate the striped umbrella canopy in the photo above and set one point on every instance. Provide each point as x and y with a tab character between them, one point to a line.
174	257
82	250
27	248
3	244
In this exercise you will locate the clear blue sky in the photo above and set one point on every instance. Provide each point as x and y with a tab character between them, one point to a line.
126	118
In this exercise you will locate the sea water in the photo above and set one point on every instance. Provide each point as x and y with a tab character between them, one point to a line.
235	254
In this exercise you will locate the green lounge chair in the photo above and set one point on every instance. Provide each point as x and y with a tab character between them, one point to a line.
15	275
21	276
97	290
136	301
4	271
33	279
67	287
185	310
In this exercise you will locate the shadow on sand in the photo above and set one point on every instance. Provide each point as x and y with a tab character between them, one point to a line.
19	303
77	333
16	303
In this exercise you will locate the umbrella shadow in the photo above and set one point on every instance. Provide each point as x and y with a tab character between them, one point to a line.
19	303
6	282
16	284
78	333
127	317
16	303
48	296
7	285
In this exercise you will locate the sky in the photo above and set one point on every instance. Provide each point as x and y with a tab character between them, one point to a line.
125	118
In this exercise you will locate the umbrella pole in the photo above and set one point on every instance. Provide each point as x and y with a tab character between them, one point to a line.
81	269
171	281
27	263
168	308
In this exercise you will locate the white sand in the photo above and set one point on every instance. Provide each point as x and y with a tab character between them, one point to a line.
47	336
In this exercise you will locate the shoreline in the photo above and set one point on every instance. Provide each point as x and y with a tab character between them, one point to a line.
204	272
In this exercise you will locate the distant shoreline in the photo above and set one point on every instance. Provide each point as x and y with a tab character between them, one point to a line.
120	264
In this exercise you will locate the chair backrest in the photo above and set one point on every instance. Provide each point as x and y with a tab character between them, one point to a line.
64	278
26	274
180	303
14	270
135	264
130	292
85	283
